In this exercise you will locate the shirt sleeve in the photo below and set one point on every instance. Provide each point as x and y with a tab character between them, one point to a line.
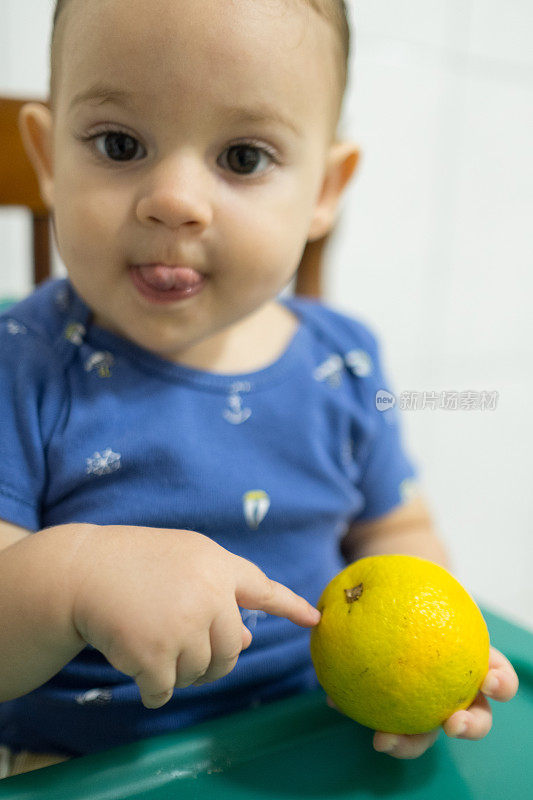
388	475
27	401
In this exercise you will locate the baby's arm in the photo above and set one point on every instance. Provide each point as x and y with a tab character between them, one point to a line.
9	533
161	605
406	529
37	636
409	529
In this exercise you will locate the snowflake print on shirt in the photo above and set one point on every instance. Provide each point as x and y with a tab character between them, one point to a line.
103	463
15	328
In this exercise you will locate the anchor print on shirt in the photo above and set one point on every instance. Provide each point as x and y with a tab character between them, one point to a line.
255	504
235	413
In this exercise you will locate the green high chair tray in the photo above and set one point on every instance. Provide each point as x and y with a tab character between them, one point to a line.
300	749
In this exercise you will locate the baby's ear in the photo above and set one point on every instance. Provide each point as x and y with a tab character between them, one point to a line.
36	127
340	165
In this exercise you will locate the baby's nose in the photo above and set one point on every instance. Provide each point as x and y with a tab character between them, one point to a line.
176	193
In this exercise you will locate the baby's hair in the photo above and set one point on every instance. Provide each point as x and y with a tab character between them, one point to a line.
334	11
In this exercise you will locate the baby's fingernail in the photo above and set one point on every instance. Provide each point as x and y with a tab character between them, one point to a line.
388	743
490	684
461	728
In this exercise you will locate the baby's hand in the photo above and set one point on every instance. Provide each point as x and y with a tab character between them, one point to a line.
501	683
163	605
472	723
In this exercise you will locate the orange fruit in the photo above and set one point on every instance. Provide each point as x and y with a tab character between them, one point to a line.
400	645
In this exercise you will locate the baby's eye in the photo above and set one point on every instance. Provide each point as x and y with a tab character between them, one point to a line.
116	145
244	158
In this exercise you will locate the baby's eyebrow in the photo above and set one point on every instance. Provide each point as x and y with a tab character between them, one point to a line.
260	113
102	93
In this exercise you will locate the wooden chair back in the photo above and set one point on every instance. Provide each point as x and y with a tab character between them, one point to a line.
19	187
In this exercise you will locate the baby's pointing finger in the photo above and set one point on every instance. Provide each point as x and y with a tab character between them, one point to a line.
255	591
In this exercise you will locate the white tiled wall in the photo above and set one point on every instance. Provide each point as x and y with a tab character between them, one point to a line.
24	72
433	250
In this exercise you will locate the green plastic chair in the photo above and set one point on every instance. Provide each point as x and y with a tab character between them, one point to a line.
300	749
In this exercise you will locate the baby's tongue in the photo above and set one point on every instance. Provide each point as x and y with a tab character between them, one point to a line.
164	278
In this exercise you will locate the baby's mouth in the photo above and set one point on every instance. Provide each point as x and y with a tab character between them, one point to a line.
166	282
164	277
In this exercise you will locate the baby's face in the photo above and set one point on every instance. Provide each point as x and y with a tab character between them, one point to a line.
208	152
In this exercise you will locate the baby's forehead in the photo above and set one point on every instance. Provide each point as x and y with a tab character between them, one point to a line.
283	25
278	53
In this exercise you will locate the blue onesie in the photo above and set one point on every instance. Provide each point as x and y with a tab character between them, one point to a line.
272	465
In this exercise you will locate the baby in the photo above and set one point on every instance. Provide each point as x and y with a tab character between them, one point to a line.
199	456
